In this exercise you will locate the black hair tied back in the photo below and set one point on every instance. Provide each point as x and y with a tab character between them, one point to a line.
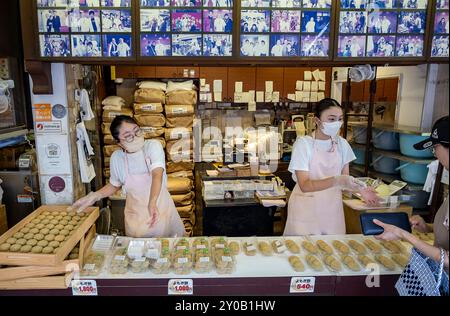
117	122
325	104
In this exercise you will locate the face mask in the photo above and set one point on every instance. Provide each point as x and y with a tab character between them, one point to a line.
135	145
331	128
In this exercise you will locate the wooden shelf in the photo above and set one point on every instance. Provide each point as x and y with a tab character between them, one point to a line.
403	129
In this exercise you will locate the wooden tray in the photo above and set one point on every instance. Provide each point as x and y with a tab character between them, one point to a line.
13	273
30	259
50	282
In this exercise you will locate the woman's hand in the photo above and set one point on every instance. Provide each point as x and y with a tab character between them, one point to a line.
391	232
154	214
83	203
418	223
346	182
370	196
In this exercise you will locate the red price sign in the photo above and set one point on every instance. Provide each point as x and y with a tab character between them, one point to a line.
302	285
180	287
84	288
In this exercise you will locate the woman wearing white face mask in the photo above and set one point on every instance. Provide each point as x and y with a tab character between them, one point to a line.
320	166
140	169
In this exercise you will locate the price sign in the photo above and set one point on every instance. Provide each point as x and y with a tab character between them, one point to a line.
302	285
84	288
180	287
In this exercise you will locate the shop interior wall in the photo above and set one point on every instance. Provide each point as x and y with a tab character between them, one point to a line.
441	101
412	81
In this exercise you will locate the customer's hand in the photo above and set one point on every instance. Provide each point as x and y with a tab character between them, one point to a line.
418	223
83	203
391	232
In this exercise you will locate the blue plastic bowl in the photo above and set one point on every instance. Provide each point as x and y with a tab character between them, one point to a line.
407	142
359	134
385	164
385	140
360	156
414	173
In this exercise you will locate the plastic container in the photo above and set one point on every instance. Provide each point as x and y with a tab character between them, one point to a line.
385	164
407	142
360	156
163	263
119	262
202	261
385	140
224	261
359	134
93	263
182	261
414	173
139	265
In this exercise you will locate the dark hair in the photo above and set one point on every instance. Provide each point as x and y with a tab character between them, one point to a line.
117	122
325	104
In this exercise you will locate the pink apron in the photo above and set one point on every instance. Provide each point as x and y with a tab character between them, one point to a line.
321	212
137	188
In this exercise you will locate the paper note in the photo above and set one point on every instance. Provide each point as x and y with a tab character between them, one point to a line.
252	106
306	98
314	86
251	95
307	75
238	96
298	96
209	97
320	96
313	97
202	82
321	85
259	96
322	75
315	74
269	86
299	85
276	96
307	86
291	96
218	96
217	85
238	86
268	97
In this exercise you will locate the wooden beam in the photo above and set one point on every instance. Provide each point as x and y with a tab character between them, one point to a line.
41	74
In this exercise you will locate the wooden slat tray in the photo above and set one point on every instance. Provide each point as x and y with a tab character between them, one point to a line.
49	282
31	259
13	273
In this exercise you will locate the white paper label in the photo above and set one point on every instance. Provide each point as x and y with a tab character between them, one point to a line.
201	246
181	247
302	285
179	110
227	259
204	259
84	288
114	114
89	266
141	259
183	260
149	107
119	258
180	287
162	260
152	253
220	246
251	248
281	248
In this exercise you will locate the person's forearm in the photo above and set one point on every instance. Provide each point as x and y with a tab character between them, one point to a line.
107	191
427	249
155	190
315	185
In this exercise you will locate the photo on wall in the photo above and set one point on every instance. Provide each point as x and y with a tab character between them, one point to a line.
52	3
442	4
53	21
439	46
86	45
411	22
380	46
286	3
154	3
412	4
54	45
155	20
254	45
85	21
187	45
153	45
384	22
220	21
255	3
353	4
117	45
409	46
441	22
189	21
217	45
116	21
352	22
218	3
315	21
315	46
186	3
255	21
317	4
351	46
284	45
381	4
116	3
285	21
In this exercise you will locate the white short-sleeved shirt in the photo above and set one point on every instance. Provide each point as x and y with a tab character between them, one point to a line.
303	149
136	162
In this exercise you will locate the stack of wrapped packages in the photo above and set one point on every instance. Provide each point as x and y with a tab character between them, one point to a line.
112	107
149	100
180	100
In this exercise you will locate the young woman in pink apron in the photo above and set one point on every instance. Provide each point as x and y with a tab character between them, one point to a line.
139	170
319	166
